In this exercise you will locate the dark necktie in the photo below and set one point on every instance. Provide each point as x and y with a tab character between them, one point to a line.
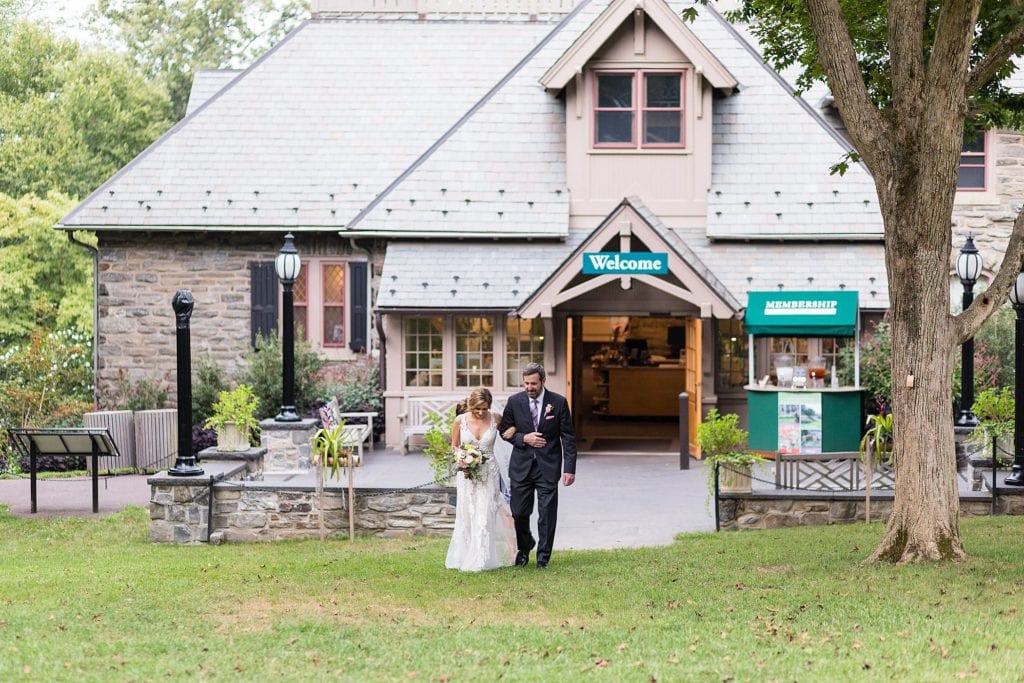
535	411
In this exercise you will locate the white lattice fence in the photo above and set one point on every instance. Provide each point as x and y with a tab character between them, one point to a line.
828	472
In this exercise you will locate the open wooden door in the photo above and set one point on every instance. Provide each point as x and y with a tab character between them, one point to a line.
693	375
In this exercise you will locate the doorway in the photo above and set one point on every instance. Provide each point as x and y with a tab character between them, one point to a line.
627	375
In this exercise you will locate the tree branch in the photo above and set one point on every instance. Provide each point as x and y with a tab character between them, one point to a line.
951	51
906	22
969	321
984	70
865	125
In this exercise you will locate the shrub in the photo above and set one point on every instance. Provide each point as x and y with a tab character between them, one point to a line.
142	394
202	438
994	351
263	372
45	383
207	384
875	373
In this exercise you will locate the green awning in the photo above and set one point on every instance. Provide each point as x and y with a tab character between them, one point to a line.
801	314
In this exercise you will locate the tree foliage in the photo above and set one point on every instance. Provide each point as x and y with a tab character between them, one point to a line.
783	28
45	280
70	117
171	39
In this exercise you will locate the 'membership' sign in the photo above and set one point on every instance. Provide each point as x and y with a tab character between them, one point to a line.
625	263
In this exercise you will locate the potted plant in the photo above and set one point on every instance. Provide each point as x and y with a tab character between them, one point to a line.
724	447
878	438
234	419
331	452
995	410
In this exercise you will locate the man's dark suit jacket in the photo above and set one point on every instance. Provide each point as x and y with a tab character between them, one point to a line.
559	454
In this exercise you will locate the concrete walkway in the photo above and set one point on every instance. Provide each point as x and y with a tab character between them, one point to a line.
618	501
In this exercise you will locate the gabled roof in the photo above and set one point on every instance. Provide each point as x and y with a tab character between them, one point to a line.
689	279
619	11
308	135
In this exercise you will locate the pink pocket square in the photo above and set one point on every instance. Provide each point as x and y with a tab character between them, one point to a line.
550	417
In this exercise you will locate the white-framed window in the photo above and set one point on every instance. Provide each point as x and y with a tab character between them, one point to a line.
460	351
639	109
973	176
524	344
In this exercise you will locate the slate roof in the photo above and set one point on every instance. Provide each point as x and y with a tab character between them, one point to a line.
309	134
771	157
205	84
445	275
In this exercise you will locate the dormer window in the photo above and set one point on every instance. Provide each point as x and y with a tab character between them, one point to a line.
638	108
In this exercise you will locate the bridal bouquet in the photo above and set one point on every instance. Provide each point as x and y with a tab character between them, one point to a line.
469	459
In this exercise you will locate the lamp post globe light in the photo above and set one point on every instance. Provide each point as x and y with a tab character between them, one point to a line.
1016	477
288	264
968	269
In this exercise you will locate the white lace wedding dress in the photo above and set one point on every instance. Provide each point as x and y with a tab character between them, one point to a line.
484	535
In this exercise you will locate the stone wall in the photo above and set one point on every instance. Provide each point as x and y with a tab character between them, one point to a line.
247	511
138	275
750	511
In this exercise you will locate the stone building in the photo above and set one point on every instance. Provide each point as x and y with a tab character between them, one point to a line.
450	171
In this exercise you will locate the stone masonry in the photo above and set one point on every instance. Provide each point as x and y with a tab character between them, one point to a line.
138	275
288	444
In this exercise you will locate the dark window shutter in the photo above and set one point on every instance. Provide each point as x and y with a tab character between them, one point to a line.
358	283
263	308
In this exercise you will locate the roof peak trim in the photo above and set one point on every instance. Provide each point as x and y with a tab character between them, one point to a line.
613	16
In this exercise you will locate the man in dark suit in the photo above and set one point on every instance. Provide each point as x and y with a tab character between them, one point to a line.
543	451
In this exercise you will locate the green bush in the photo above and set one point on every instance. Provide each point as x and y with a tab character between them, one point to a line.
263	372
356	386
46	382
995	340
875	372
207	384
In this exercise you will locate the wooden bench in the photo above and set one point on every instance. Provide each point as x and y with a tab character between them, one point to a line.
414	419
839	471
353	434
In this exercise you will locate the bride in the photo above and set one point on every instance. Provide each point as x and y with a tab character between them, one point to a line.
484	535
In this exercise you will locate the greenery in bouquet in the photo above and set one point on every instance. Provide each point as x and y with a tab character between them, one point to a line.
469	460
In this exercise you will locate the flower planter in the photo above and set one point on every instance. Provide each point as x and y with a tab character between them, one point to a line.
230	439
734	479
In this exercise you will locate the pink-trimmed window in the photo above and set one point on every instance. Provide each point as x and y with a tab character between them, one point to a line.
972	163
639	109
334	303
300	297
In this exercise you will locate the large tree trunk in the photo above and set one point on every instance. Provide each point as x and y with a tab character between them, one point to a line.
924	524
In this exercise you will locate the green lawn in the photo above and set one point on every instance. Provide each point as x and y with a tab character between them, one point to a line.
93	600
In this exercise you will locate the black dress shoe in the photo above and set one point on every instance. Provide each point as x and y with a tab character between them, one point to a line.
542	565
522	558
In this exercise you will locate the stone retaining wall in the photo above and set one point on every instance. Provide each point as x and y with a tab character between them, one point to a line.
254	511
750	511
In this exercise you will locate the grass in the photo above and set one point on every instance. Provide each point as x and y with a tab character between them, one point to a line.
94	600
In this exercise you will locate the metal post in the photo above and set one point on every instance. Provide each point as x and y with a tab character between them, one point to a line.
33	452
1016	477
95	474
718	526
185	463
967	417
288	413
684	431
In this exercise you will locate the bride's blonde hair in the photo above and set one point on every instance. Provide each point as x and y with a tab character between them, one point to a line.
479	399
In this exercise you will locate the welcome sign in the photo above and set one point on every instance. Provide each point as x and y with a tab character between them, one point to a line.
625	263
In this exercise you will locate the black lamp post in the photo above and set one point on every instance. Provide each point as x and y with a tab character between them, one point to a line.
185	463
1016	477
968	269
287	266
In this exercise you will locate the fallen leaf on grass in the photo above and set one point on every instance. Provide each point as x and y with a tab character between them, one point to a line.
602	663
672	659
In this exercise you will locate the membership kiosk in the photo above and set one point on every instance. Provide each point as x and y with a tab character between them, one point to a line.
798	405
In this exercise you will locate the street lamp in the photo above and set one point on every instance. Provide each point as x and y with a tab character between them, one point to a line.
1016	477
968	269
288	265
